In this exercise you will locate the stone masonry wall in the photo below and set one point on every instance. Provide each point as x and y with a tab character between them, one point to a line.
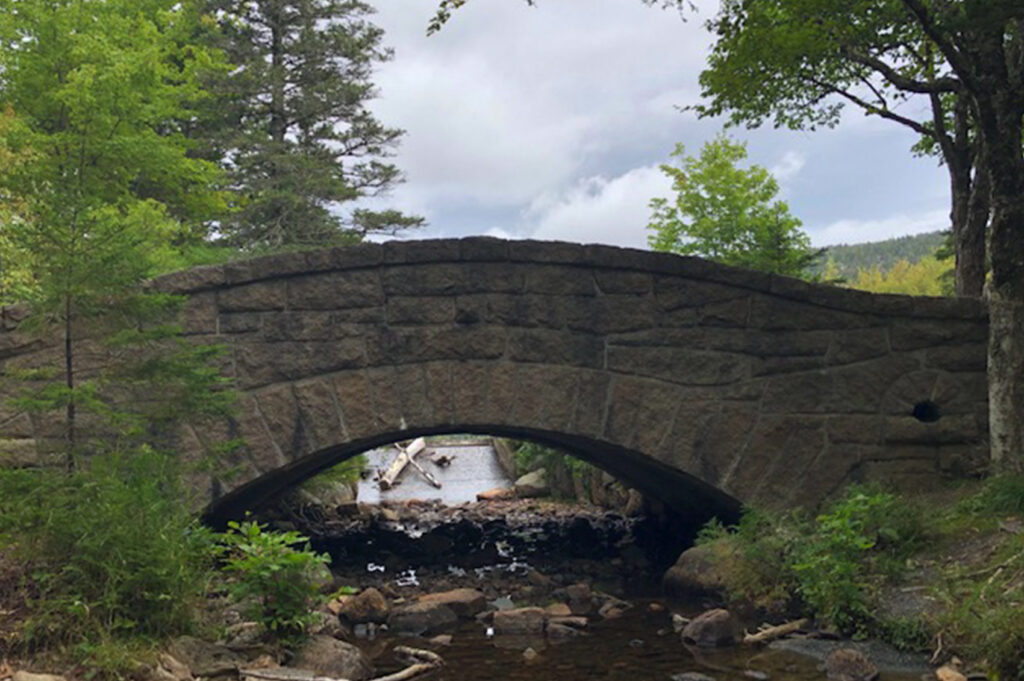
685	377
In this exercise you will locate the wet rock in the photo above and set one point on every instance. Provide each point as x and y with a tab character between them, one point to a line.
205	659
698	571
655	607
691	676
847	664
712	629
679	622
611	611
533	484
536	578
369	606
530	655
581	598
326	656
756	675
497	494
421	618
328	624
558	610
465	603
634	504
528	621
561	632
442	640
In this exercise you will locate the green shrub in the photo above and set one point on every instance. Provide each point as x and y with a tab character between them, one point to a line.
756	556
344	473
110	552
865	533
829	564
279	579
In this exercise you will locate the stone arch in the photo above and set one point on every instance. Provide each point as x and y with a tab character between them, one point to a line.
710	383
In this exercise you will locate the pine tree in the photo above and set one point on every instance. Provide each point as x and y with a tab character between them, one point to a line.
297	133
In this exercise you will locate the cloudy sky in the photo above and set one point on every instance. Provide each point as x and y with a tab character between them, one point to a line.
550	122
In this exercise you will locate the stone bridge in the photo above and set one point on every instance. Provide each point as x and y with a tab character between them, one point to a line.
703	385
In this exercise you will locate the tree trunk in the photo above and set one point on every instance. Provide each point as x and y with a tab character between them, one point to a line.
1006	335
969	235
69	372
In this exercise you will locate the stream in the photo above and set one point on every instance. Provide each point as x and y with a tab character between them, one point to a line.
526	553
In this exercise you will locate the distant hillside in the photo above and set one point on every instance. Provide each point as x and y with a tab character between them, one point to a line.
882	254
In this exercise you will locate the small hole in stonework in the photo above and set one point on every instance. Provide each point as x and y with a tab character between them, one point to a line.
927	412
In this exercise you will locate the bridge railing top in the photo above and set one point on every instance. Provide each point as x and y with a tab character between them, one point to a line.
492	250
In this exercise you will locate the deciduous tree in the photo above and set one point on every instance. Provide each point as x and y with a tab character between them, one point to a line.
728	213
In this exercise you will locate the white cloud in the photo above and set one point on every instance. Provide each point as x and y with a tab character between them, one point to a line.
789	166
600	210
857	231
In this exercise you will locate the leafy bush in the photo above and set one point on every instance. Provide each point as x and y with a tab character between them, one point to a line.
110	553
757	556
279	579
829	564
562	468
344	473
865	532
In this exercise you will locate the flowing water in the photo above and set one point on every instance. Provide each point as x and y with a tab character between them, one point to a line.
499	548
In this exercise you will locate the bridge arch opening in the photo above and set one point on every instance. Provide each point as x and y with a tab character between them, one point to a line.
683	495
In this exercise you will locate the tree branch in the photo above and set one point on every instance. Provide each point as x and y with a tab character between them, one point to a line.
949	50
916	126
898	80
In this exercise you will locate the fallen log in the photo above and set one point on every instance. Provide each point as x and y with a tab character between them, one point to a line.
405	455
430	478
771	633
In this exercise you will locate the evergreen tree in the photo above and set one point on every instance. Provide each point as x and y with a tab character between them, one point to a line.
298	137
101	187
729	214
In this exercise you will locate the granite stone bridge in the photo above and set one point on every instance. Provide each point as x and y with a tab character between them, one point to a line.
702	385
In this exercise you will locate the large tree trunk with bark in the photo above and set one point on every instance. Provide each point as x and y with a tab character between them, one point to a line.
1006	334
969	236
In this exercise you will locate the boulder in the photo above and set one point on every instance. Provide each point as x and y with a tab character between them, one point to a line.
465	603
712	629
699	571
521	621
581	598
422	618
558	610
243	634
369	605
326	656
533	484
205	659
847	664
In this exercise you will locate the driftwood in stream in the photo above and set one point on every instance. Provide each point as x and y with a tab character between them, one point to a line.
405	455
419	662
771	633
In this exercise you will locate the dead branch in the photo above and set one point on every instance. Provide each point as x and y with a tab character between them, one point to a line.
778	631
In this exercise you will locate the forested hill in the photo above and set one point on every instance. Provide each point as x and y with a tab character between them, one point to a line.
849	258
